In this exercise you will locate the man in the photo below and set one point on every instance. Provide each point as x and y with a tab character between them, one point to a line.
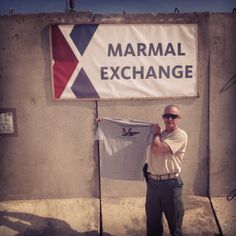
164	187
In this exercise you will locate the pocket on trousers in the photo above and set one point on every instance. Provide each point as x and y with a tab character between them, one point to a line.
179	182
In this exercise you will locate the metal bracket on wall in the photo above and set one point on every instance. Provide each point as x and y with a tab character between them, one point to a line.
176	11
228	84
232	195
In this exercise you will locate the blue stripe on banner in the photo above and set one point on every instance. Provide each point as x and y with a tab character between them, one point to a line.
82	87
82	34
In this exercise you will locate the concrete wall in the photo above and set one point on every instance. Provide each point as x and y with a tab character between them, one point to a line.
222	105
53	155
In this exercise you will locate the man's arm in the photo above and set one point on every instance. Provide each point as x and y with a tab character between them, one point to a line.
159	147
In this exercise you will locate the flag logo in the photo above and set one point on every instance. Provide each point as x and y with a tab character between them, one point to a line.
65	57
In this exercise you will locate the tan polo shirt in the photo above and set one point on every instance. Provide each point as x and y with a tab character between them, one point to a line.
165	163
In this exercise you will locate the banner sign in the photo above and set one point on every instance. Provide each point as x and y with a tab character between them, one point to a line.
121	61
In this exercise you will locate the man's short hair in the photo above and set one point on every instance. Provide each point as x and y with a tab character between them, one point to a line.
172	105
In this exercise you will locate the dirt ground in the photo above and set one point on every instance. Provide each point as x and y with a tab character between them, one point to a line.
120	216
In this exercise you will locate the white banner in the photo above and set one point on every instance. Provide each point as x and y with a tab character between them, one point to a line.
125	61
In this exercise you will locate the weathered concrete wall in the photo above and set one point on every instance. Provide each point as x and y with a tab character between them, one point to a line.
222	28
53	154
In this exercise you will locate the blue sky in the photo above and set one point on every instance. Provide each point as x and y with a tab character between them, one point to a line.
118	6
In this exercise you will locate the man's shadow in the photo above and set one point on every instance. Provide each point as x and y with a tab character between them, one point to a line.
26	224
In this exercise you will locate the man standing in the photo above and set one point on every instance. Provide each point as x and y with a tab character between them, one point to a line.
164	187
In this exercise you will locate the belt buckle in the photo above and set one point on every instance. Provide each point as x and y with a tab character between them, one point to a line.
161	177
167	176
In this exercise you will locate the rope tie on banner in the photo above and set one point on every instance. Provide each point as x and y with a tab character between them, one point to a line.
232	195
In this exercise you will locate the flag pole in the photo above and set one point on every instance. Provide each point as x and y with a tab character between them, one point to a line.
99	178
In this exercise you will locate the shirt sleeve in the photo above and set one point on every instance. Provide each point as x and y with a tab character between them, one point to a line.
176	142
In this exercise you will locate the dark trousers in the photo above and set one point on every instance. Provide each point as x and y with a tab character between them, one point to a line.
164	196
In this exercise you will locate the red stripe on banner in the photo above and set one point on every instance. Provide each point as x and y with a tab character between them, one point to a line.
65	61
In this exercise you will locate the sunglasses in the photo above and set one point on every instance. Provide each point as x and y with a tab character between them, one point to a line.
172	116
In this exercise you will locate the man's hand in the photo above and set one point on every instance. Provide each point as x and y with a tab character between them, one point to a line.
156	129
98	119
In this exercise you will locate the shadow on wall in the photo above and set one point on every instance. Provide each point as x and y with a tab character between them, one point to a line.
26	224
